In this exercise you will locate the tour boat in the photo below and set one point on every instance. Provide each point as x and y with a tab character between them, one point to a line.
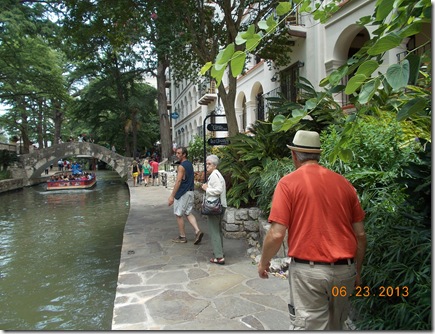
71	184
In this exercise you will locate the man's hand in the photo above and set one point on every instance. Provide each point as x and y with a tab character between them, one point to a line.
263	271
271	244
170	200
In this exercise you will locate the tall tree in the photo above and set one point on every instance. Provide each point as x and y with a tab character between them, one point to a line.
207	29
102	38
97	108
30	69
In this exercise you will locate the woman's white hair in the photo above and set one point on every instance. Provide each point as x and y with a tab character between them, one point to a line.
213	159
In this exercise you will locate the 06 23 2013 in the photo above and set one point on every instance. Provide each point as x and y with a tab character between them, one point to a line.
366	291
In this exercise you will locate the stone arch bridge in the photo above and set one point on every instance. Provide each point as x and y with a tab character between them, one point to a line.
34	164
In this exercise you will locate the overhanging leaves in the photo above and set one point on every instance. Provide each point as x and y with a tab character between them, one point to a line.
398	75
283	8
225	55
384	44
206	67
368	90
354	83
368	67
237	63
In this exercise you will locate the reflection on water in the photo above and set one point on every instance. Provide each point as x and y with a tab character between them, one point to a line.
59	255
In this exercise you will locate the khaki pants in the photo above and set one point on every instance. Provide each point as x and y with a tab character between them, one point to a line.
312	290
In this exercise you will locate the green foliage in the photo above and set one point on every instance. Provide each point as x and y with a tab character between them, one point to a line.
267	35
314	110
6	158
273	171
374	147
418	180
398	254
245	159
99	111
277	48
5	174
31	71
196	149
393	219
392	177
376	156
405	87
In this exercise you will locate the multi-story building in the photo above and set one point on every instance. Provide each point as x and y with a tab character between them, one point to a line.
317	50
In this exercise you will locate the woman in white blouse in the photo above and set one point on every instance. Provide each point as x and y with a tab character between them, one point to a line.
214	188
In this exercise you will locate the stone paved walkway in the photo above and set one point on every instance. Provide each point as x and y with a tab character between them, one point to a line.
167	286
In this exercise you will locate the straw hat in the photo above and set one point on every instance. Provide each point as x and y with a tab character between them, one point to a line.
306	141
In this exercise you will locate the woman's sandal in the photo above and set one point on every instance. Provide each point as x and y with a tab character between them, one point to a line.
220	260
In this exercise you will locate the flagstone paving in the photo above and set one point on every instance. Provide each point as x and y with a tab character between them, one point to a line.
170	286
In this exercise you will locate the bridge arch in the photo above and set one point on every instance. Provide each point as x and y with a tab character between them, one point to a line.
35	163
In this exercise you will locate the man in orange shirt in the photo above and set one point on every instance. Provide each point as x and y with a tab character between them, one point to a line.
326	239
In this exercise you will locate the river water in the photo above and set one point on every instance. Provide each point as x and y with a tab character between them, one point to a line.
59	255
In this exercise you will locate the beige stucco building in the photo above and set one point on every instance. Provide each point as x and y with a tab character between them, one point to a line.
317	50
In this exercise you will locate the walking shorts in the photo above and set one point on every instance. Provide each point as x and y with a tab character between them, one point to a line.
184	205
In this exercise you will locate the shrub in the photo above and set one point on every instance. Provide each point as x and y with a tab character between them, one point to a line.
244	160
6	158
393	182
399	238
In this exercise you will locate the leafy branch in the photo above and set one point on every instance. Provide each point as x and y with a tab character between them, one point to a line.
252	38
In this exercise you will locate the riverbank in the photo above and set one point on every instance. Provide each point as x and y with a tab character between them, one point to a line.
169	286
10	184
16	184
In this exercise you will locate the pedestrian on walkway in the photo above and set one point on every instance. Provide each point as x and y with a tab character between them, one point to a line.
147	170
134	172
155	170
215	188
326	240
182	197
140	176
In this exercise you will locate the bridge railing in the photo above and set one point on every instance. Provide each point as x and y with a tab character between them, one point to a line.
8	147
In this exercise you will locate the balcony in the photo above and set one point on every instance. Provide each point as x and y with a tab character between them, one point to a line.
207	92
295	26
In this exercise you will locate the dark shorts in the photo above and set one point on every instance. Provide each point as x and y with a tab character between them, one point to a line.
155	175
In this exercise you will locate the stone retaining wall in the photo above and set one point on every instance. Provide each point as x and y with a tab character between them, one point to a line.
10	184
243	223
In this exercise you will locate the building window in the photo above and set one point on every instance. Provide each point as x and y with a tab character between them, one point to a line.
244	116
260	107
288	78
200	131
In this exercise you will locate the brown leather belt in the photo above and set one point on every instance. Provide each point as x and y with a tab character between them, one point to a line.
339	262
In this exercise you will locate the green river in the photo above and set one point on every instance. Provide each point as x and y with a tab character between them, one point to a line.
59	255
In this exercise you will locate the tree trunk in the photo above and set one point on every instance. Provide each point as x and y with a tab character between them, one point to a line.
57	119
126	143
24	127
228	99
134	129
40	118
165	134
123	98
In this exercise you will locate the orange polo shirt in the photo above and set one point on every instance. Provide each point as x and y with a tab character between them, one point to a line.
318	207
